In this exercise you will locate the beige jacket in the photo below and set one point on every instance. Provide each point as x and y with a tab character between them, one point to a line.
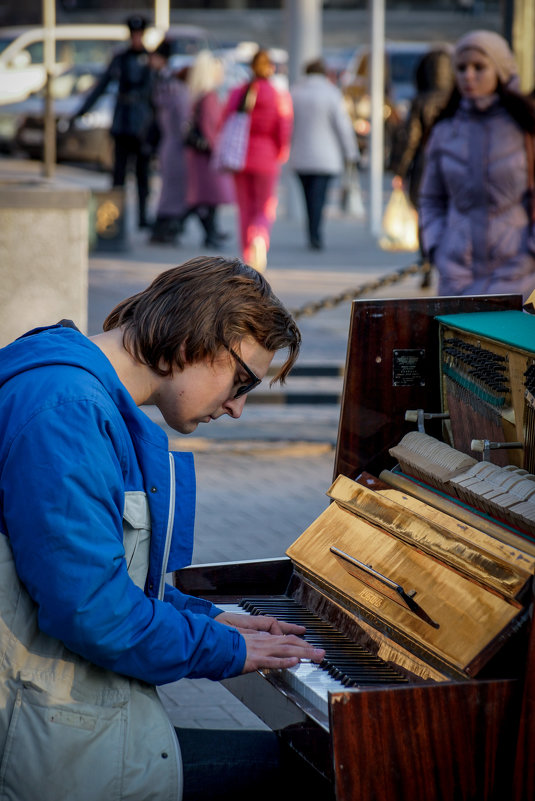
69	730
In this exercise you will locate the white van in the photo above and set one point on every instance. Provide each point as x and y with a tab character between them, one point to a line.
21	53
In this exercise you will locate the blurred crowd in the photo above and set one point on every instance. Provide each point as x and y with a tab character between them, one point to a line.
179	115
463	156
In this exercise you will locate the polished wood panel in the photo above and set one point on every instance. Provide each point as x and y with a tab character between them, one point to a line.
524	782
223	581
448	742
393	365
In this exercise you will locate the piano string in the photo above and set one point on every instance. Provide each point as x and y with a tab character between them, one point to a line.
477	391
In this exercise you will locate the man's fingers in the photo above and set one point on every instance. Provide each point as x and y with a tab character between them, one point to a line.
277	651
290	628
274	626
280	663
259	623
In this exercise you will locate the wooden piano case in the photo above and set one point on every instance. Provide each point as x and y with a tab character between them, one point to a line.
452	738
461	740
453	619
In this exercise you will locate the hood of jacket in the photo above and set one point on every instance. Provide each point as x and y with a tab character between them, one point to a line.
60	346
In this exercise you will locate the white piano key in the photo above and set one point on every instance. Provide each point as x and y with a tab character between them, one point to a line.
313	683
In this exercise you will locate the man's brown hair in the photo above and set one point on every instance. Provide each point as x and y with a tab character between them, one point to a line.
189	312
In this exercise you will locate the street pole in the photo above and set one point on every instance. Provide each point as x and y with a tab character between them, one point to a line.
305	34
304	27
524	41
161	14
519	30
49	58
377	115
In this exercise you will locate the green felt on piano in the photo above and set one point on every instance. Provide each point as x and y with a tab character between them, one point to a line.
513	328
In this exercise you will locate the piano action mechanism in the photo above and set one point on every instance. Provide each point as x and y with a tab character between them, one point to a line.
420	592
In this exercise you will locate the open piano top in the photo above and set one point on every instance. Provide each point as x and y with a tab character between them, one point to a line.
421	600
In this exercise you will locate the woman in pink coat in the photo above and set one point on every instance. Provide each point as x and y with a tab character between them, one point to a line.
268	148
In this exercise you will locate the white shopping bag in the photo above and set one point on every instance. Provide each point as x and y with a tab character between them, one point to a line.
400	224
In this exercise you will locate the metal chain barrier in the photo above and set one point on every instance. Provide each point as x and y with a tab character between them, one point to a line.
350	294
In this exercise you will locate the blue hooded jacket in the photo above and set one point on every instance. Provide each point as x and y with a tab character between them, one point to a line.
73	442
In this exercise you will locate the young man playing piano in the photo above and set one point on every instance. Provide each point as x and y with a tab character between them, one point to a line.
95	511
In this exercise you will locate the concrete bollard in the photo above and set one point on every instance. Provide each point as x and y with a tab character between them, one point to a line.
43	255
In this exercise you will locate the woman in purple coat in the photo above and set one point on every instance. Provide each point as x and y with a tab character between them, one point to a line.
474	202
171	103
207	188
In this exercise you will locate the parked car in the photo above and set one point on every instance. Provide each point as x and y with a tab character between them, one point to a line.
87	140
22	69
401	61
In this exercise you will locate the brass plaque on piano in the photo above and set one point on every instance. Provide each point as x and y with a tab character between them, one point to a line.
453	617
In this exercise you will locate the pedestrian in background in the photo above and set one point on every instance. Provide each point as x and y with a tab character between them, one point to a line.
133	119
268	147
323	141
475	213
206	187
434	83
172	108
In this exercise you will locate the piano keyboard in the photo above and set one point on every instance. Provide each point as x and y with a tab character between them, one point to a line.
348	663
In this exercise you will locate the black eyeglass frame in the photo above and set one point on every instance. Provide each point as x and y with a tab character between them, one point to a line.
255	381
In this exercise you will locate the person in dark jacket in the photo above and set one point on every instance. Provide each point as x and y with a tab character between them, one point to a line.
133	119
475	205
434	83
88	624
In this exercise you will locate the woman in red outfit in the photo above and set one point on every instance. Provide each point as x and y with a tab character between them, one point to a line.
269	147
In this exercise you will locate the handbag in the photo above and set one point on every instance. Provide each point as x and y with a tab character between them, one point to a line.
230	151
400	224
194	137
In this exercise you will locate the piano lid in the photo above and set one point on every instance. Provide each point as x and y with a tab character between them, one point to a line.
455	619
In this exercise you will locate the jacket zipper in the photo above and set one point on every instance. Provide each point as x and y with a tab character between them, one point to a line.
169	533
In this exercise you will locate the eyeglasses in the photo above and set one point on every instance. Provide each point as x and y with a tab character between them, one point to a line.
255	381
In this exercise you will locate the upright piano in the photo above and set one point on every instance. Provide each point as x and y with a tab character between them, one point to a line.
417	579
